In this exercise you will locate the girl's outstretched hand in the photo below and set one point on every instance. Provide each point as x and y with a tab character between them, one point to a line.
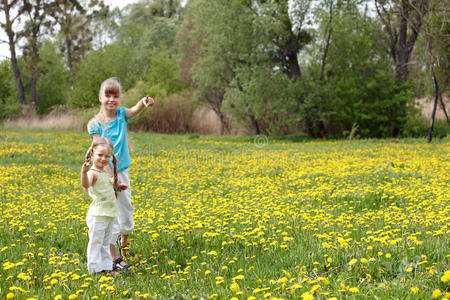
148	101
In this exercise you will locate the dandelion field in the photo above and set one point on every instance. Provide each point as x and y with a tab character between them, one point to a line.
225	217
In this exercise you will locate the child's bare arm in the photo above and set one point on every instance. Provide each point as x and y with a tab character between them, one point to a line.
143	103
85	179
94	137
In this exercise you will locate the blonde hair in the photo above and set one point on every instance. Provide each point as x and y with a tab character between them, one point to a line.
103	141
110	86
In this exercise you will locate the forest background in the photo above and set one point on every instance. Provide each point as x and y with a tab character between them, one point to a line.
296	69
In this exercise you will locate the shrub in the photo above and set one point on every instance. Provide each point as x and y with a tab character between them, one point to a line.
418	126
53	83
9	105
171	114
101	64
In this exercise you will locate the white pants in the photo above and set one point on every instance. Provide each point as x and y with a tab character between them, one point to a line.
124	223
98	254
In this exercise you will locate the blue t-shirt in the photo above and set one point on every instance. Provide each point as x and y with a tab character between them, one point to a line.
117	133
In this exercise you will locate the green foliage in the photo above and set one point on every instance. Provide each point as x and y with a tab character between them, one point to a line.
243	63
375	104
143	52
271	97
162	78
159	37
110	61
241	58
358	87
52	85
418	126
9	104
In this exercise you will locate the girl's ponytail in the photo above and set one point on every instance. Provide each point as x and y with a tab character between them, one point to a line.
116	180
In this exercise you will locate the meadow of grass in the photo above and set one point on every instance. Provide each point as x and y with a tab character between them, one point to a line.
233	218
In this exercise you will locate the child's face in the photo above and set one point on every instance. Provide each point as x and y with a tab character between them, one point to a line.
110	101
101	157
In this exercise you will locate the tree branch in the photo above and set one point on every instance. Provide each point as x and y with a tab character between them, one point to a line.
388	24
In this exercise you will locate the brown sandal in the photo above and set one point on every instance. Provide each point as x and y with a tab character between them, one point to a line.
117	266
123	247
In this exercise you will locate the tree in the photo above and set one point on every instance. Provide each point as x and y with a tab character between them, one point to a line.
52	84
246	45
9	7
74	30
402	20
287	39
37	18
356	87
108	61
435	36
8	93
77	27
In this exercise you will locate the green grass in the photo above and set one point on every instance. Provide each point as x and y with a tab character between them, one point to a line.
286	216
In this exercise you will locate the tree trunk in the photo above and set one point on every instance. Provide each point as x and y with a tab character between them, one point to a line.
34	66
255	127
17	74
289	56
402	44
443	108
33	76
223	123
327	43
170	9
433	114
12	49
69	57
436	93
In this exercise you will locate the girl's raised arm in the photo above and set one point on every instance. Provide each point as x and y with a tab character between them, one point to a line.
143	103
85	178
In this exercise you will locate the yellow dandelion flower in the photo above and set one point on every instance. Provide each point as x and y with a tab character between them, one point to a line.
234	287
436	294
446	276
282	280
307	296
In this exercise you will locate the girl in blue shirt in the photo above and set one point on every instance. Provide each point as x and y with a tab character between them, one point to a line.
111	122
